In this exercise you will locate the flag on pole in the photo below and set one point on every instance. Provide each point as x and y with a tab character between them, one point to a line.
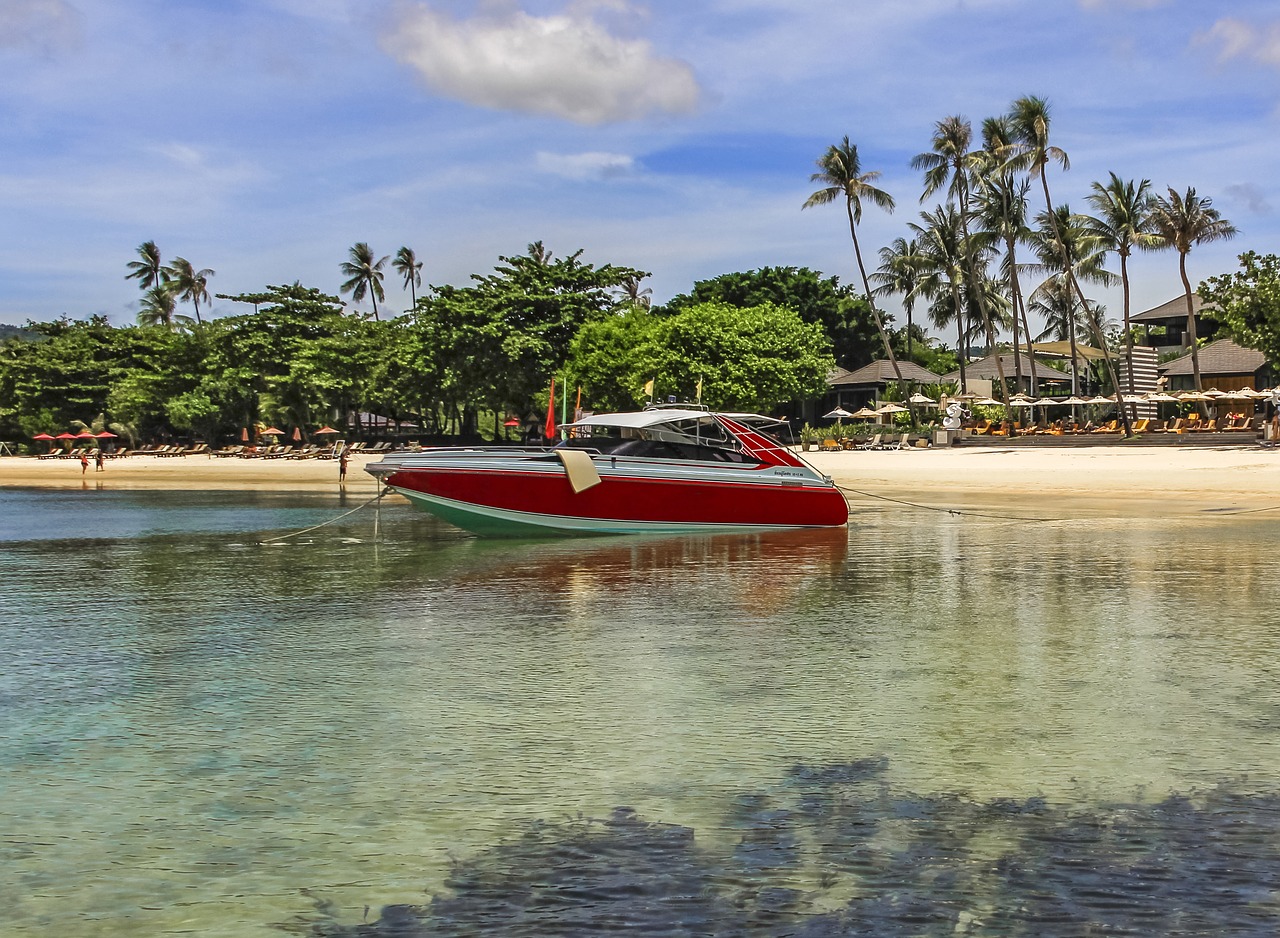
551	412
648	389
699	389
577	406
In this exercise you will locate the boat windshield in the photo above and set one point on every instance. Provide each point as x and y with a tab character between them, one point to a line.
700	437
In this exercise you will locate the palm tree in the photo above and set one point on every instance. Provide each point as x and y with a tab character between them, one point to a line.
1123	223
899	273
840	172
364	275
1029	122
189	283
1069	253
1002	209
408	266
634	296
148	270
1182	222
158	306
539	253
950	163
941	275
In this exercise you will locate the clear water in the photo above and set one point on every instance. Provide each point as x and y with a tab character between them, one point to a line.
927	724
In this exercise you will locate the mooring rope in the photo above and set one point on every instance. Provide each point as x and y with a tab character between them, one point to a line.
323	524
951	511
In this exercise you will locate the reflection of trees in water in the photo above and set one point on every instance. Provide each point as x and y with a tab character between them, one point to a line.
913	865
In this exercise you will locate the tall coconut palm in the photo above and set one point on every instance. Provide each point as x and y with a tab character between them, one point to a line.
408	266
899	273
1123	223
840	173
364	275
1002	208
147	270
189	283
1182	222
1029	121
1070	253
941	275
950	163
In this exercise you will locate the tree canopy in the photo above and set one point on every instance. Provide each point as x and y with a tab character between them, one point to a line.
1248	302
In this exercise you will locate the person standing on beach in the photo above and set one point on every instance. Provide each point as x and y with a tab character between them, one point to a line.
99	461
343	459
84	463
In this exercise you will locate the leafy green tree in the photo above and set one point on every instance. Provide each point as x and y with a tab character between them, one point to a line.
752	358
1248	302
147	270
941	275
840	173
364	275
844	316
408	266
899	274
190	284
1182	222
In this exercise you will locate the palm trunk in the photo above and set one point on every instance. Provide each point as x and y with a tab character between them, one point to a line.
1191	321
1020	309
960	339
1084	305
1128	334
875	313
970	269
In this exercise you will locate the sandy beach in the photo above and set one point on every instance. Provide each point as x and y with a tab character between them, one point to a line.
1164	479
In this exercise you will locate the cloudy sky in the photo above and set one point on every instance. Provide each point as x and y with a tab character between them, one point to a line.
262	138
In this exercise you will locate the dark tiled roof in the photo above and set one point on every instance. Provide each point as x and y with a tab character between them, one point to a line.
1176	308
1223	357
985	368
881	371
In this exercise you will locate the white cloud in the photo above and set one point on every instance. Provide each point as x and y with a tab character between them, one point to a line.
1251	195
47	25
593	165
1238	39
565	65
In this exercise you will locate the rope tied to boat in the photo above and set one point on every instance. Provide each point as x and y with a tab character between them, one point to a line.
325	524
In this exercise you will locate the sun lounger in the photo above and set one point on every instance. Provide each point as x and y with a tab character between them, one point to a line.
901	444
873	443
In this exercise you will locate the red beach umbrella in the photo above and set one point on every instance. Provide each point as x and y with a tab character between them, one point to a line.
65	436
327	429
297	434
42	436
83	435
105	435
244	434
271	431
513	422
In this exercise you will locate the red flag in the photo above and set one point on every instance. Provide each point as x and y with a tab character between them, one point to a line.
551	412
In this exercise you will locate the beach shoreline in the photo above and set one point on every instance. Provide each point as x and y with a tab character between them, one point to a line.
1199	478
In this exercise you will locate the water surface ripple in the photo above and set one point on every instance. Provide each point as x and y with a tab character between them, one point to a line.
926	724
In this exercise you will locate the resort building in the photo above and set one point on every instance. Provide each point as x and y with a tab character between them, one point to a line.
1169	322
980	375
854	389
1224	365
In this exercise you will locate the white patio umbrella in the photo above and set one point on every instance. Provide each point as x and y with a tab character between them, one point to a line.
1159	397
891	408
919	398
1214	394
864	413
987	402
839	413
1099	399
1193	396
1073	400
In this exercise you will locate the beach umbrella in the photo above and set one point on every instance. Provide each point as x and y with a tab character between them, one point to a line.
42	436
271	431
890	409
511	422
987	402
1073	400
83	435
839	413
297	434
864	413
1022	402
65	436
1099	399
244	434
105	435
1192	396
327	429
1159	397
919	398
1214	394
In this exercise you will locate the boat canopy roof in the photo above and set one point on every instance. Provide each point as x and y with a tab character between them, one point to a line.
665	415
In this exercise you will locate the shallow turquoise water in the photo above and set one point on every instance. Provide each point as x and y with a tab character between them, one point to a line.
203	734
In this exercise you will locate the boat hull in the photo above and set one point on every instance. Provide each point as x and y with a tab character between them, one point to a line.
539	500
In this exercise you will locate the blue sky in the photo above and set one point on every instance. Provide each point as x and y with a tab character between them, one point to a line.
261	138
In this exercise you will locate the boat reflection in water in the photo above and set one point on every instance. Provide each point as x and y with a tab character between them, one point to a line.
759	572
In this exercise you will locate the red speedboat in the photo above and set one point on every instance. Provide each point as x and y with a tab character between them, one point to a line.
662	470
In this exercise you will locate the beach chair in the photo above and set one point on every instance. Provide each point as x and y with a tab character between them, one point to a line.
1106	427
829	445
901	444
1141	426
983	429
873	443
